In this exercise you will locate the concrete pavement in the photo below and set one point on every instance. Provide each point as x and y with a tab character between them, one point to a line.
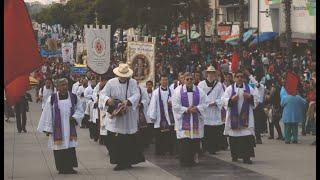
26	156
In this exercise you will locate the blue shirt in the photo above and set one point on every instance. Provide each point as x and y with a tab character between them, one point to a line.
294	109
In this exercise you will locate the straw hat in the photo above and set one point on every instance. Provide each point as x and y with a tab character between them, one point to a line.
211	69
123	70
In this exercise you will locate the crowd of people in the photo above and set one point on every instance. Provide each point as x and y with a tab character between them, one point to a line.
198	103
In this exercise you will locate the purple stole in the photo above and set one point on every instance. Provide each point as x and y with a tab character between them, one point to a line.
223	110
163	121
186	116
57	131
242	120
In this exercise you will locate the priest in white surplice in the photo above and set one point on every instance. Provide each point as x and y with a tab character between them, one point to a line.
240	99
80	94
160	112
189	104
213	140
46	91
121	94
150	129
90	111
60	117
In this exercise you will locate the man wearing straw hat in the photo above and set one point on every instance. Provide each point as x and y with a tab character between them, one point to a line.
214	140
121	97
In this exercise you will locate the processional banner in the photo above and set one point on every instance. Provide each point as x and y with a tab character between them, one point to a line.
67	52
141	58
97	42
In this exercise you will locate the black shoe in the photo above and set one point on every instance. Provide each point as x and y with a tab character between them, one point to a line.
234	159
294	142
280	138
270	137
287	142
72	171
121	167
24	130
258	141
212	153
19	131
247	161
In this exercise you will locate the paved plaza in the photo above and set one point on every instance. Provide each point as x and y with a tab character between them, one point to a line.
26	157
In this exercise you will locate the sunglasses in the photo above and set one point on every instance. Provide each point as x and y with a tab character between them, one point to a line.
189	79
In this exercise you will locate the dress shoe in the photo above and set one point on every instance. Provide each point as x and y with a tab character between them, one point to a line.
121	167
19	131
258	141
24	130
294	142
287	142
270	137
234	159
247	161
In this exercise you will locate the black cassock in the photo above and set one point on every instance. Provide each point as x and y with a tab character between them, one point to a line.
65	159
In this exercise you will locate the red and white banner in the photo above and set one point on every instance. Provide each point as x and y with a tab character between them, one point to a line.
98	48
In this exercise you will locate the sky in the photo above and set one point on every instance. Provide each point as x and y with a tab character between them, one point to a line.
42	1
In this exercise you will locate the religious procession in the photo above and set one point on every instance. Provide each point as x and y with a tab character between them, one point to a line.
195	98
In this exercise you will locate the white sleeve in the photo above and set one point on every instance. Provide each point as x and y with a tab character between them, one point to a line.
177	107
79	111
45	123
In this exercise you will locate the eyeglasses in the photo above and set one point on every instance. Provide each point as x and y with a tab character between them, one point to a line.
189	79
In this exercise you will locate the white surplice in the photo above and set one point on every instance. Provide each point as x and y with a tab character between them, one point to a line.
225	100
127	123
154	106
178	111
212	115
75	87
101	108
145	101
45	93
82	99
46	121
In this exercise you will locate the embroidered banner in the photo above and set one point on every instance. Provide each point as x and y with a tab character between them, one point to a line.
140	57
97	42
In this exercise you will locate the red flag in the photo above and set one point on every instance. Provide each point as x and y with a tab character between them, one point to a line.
234	61
291	83
16	89
21	55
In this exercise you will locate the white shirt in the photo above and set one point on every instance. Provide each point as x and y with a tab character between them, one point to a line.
127	123
212	114
225	100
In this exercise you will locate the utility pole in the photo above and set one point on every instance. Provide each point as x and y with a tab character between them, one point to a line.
241	26
189	18
287	5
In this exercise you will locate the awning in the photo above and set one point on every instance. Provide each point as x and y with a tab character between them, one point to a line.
248	34
264	37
